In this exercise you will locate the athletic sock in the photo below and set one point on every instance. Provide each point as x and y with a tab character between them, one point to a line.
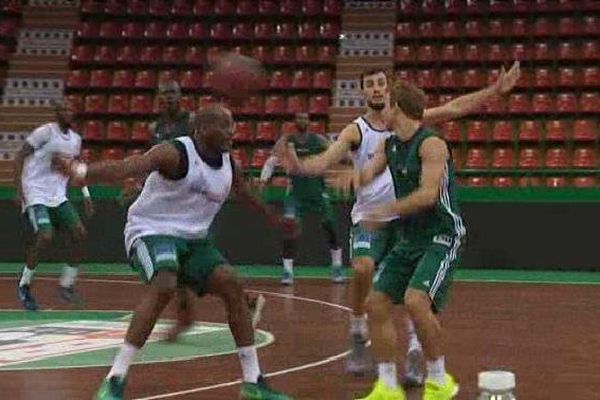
436	371
123	360
388	374
68	276
249	363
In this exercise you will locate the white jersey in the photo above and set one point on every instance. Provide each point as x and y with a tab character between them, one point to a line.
42	185
183	208
381	190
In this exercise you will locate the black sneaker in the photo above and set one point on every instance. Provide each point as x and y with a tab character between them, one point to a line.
26	298
111	389
260	391
68	295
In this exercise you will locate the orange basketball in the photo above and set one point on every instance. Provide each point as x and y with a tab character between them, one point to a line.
237	76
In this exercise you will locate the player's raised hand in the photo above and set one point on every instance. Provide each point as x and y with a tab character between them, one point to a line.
67	166
507	79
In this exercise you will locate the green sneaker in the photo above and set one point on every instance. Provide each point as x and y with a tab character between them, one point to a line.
111	389
260	391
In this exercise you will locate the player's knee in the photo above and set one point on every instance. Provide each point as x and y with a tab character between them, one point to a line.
363	268
44	239
378	306
165	283
416	301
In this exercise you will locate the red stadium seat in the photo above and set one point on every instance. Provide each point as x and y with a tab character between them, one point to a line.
474	29
95	103
329	30
188	103
405	30
566	103
117	131
496	52
198	31
428	29
194	55
473	78
591	76
264	30
266	131
584	130
318	104
145	80
259	158
502	131
556	182
86	29
426	78
305	54
155	30
240	157
591	25
283	55
519	28
181	8
311	7
262	54
529	181
296	104
308	30
274	104
286	30
76	101
88	155
220	31
123	79
110	30
502	182
503	158
326	54
556	158
118	104
253	105
568	77
542	103
477	131
452	29
177	30
140	132
105	55
530	158
519	103
150	55
589	102
427	53
224	7
172	55
452	131
301	79
450	52
530	131
246	8
113	153
568	51
78	79
543	27
127	55
585	157
207	79
137	7
317	127
556	130
404	54
244	132
544	51
82	54
431	7
93	130
322	79
584	182
100	78
405	75
475	52
496	28
159	8
202	7
279	80
476	159
332	7
590	50
288	128
477	181
520	51
544	78
191	80
141	104
567	26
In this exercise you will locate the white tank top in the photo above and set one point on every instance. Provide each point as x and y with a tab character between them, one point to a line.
381	190
184	208
41	184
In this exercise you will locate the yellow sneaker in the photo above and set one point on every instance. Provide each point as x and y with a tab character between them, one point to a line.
382	392
434	391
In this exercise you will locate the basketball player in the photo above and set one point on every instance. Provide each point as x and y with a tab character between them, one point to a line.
189	179
306	194
42	195
418	270
372	239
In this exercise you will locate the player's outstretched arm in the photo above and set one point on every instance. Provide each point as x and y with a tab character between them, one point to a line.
468	103
434	155
318	164
164	158
22	154
373	168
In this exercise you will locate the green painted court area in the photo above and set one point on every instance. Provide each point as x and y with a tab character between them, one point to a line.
523	275
68	339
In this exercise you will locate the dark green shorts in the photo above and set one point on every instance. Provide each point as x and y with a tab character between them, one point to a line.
193	260
296	208
41	218
373	244
427	267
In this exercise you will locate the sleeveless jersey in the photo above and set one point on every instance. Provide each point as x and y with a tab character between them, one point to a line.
307	187
381	190
41	184
404	161
183	208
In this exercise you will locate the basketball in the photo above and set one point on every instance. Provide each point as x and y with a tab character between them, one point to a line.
237	76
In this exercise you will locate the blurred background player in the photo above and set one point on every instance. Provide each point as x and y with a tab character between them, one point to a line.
42	195
418	271
167	238
372	239
305	194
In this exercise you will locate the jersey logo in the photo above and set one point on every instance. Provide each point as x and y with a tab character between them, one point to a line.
370	156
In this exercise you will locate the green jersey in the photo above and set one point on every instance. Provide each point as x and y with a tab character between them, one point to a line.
167	130
307	187
441	222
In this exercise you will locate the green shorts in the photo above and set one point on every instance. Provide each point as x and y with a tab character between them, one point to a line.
193	260
427	267
41	218
373	244
296	208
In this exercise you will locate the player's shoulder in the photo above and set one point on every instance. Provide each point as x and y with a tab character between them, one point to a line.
46	128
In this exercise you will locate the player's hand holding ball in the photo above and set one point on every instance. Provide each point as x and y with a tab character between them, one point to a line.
66	165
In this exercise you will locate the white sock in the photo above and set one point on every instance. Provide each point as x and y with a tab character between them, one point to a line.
68	276
288	265
436	370
249	362
388	374
413	340
358	325
123	360
26	276
336	257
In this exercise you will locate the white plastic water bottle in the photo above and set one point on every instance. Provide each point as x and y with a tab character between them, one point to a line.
496	385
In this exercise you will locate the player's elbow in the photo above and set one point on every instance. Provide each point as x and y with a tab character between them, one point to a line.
429	197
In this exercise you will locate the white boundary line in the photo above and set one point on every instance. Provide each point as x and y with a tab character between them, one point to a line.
301	367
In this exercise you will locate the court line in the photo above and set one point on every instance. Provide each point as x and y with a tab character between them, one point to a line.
301	367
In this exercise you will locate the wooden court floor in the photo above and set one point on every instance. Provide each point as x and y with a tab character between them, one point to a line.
549	335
